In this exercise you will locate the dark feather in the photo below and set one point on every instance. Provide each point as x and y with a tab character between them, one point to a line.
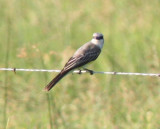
56	80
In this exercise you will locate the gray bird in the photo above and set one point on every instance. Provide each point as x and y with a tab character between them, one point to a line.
84	55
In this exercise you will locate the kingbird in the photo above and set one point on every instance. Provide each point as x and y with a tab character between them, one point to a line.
84	55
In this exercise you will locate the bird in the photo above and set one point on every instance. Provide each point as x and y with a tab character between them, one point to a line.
84	55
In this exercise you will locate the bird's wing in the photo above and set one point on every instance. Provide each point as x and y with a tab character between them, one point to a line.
82	57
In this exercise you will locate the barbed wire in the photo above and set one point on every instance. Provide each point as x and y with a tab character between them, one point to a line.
83	71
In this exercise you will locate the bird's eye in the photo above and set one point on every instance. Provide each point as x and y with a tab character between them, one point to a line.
98	37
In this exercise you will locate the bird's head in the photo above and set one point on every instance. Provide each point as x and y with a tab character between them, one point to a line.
97	36
98	39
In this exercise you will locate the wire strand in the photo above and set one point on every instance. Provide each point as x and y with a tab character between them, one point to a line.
77	71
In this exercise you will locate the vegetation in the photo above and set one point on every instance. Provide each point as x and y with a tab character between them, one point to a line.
44	34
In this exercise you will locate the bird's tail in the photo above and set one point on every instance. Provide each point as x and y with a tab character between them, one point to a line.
56	80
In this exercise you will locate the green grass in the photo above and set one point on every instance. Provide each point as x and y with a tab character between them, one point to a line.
43	34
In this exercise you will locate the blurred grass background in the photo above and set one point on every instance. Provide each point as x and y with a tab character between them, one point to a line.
44	34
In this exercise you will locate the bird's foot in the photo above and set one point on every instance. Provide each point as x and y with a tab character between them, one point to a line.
80	71
90	71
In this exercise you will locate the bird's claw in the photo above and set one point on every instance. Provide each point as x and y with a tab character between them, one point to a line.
80	72
90	71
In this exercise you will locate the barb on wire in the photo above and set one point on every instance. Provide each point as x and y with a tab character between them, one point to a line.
77	71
